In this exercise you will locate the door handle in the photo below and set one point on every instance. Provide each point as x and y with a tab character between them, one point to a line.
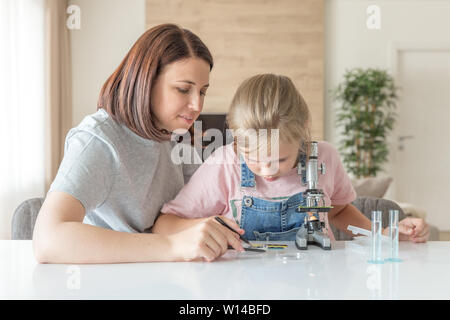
401	139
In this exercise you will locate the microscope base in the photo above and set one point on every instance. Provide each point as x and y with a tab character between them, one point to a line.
303	238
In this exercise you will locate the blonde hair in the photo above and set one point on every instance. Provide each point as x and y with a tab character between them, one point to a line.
269	101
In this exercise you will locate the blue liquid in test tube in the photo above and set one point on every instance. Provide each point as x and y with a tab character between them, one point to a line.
393	236
376	238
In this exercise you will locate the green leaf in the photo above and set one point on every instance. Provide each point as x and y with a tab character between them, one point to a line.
368	99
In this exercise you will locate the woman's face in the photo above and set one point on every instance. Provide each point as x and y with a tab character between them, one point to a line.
178	94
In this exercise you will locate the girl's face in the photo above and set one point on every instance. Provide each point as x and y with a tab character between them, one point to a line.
271	168
178	94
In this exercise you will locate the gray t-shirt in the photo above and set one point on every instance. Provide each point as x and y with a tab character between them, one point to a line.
120	178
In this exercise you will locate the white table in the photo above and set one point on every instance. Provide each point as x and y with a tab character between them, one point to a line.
342	273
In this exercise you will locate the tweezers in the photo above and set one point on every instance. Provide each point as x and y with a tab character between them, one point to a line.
230	228
240	237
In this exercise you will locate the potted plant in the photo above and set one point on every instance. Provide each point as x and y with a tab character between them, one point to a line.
367	114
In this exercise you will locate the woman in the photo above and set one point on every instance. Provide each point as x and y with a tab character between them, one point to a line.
117	173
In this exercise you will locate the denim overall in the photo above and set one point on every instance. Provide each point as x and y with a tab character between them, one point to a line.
265	220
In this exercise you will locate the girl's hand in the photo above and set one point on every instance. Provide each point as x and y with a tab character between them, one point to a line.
412	229
207	239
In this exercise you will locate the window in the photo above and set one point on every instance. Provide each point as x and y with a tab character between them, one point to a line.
22	105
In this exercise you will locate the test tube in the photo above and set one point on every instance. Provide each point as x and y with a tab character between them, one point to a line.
376	238
393	236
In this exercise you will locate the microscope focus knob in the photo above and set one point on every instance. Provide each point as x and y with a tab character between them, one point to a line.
322	168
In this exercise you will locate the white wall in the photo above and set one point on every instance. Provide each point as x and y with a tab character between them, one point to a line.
110	27
349	43
108	30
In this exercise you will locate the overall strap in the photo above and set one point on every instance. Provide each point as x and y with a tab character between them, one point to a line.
247	176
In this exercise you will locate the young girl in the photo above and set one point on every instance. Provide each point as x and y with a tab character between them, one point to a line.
261	193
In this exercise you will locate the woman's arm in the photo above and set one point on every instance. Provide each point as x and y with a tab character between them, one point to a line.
170	224
60	237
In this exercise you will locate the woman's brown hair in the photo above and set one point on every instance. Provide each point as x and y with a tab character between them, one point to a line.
126	93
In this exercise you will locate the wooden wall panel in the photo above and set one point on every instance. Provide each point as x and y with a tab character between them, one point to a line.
254	36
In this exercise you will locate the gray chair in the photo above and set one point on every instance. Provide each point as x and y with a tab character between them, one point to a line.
24	218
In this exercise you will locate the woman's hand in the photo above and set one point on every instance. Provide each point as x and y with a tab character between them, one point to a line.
412	229
207	239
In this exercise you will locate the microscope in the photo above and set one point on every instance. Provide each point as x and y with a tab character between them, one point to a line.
313	230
